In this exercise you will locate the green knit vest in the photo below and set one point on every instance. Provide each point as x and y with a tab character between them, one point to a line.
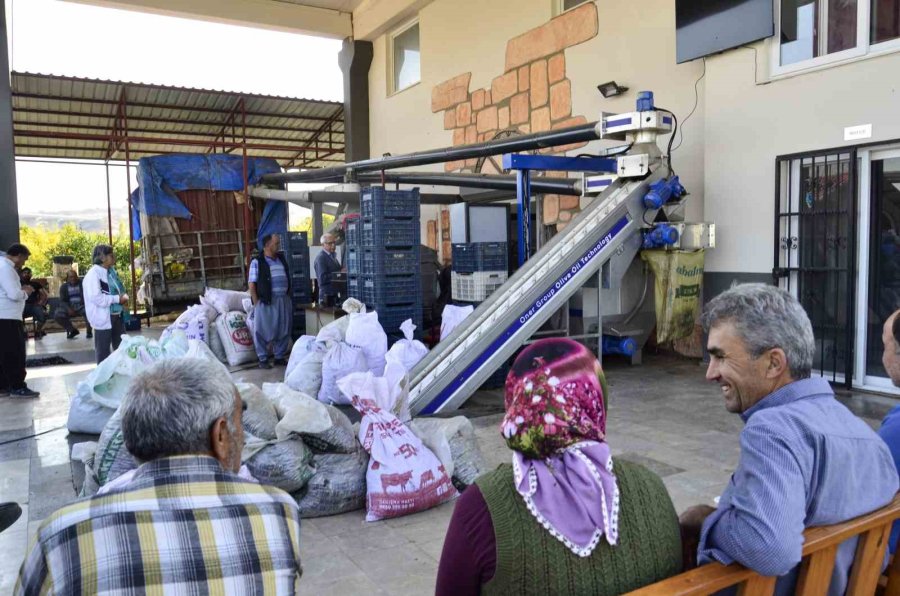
531	561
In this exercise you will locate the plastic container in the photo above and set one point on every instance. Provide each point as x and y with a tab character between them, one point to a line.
375	201
390	290
354	262
391	317
477	286
390	261
480	256
378	232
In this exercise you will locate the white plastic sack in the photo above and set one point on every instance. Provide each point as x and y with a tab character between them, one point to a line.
236	338
259	417
338	485
215	344
300	348
112	458
102	391
209	309
304	370
341	360
408	351
365	331
334	331
85	414
453	441
194	322
298	413
352	305
403	476
452	317
225	301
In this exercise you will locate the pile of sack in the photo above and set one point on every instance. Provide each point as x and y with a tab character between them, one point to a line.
99	395
224	321
330	466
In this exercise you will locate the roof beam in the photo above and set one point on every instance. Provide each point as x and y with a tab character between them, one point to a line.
154	119
327	126
163	106
158	131
264	14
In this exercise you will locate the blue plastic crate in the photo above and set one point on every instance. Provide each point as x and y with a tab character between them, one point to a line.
391	317
480	256
354	262
353	234
296	240
390	290
353	288
390	261
375	201
378	232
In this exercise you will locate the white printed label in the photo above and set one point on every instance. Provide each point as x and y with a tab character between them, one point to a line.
855	133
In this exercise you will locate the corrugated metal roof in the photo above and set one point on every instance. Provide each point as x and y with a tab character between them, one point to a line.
73	118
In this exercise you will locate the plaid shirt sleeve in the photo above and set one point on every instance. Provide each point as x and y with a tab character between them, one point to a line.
33	576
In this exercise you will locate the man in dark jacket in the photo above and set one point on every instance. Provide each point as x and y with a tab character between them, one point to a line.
71	305
270	287
34	304
327	263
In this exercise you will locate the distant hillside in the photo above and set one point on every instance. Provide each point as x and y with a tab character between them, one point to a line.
89	220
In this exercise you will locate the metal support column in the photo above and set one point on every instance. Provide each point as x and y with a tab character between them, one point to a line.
318	225
109	204
124	108
248	248
355	58
9	204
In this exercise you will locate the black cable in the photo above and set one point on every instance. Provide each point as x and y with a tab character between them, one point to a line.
696	103
671	138
32	436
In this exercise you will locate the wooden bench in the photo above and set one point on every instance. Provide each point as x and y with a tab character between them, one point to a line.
819	551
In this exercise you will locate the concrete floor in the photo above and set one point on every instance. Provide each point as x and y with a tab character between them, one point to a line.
662	415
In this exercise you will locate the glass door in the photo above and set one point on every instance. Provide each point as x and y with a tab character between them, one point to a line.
883	265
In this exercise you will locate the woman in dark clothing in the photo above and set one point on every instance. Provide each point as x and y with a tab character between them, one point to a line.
563	518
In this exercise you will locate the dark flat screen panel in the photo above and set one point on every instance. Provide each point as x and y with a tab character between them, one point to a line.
706	27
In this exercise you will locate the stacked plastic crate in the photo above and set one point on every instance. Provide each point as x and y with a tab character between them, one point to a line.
479	268
384	265
297	253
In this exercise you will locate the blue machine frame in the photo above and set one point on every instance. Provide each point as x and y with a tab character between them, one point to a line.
524	164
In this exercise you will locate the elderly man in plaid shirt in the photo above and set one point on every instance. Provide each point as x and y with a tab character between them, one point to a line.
187	523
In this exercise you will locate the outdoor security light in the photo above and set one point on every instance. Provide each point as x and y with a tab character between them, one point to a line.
611	89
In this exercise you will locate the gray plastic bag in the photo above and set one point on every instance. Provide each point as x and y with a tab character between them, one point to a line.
284	464
338	486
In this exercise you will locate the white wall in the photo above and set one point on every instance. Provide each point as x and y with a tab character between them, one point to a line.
459	36
749	125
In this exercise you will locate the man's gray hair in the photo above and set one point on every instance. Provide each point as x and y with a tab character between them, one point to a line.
100	251
170	408
766	317
324	236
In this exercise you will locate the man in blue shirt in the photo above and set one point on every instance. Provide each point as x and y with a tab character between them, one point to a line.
806	460
270	286
890	427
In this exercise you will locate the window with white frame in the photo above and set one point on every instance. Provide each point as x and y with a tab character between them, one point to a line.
405	69
564	5
818	32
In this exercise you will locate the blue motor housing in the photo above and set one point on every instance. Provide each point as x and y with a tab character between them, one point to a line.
645	101
660	236
662	191
618	345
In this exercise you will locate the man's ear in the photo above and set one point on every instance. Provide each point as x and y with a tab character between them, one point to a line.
778	364
218	439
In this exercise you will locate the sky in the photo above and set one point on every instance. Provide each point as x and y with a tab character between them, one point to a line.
63	38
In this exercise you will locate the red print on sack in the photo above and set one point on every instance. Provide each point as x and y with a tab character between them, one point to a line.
241	336
388	480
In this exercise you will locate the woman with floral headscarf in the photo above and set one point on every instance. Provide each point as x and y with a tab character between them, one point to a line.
562	518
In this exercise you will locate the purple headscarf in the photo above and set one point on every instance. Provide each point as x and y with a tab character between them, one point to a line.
555	424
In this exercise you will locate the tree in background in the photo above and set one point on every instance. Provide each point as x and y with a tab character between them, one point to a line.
305	225
69	240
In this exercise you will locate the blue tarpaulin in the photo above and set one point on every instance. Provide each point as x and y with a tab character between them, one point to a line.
159	177
274	221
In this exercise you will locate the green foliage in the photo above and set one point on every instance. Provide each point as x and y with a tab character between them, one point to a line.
305	224
69	240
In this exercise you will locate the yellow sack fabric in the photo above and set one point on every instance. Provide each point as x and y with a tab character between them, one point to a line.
679	276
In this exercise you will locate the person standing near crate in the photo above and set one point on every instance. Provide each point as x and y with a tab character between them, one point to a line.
326	264
270	288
